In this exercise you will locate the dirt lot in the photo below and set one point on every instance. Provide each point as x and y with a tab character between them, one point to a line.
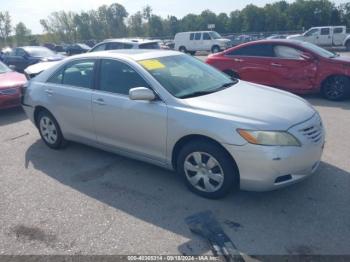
86	201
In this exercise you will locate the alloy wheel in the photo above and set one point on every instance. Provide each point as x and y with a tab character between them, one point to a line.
48	130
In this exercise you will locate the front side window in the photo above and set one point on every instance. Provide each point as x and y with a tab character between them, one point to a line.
184	76
260	50
79	74
206	36
99	48
311	32
154	45
115	46
325	31
117	77
287	52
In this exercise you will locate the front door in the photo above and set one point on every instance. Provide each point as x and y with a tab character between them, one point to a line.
292	72
132	126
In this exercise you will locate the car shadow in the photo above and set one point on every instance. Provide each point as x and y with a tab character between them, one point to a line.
287	221
13	115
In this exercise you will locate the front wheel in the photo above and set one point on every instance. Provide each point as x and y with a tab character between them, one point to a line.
215	49
50	131
207	169
336	88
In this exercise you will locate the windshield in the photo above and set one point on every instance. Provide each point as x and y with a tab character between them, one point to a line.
184	76
215	35
39	51
318	50
4	68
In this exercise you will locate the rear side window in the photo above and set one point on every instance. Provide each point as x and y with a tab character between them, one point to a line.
150	46
197	36
260	50
325	31
206	36
287	52
117	77
79	74
338	30
191	36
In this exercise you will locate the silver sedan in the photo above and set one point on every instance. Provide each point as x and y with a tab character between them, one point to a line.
174	111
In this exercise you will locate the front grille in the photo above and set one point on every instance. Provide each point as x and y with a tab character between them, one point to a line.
313	132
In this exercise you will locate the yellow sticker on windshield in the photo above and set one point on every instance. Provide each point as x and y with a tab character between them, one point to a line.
152	64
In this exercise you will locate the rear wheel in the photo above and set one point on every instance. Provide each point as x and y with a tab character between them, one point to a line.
215	49
182	49
50	131
207	169
336	88
347	45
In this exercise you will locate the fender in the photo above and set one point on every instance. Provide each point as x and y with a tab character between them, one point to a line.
346	39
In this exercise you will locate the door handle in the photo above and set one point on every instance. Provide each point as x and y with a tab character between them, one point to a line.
99	102
276	65
49	91
238	60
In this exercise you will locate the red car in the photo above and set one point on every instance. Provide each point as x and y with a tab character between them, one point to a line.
10	87
295	66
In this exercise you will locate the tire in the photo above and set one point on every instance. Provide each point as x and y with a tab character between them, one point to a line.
215	49
182	49
50	130
347	45
200	159
336	88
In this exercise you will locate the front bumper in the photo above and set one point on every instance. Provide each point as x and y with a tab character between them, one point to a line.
265	168
10	101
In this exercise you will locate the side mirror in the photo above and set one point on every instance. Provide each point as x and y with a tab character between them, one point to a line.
306	56
142	94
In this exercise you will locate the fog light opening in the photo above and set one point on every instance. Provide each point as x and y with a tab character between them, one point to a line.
282	179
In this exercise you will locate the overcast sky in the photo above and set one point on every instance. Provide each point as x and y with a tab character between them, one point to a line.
31	11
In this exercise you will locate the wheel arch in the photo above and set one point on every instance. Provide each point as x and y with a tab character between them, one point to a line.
37	110
195	137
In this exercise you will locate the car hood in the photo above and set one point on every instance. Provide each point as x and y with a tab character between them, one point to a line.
255	106
11	79
294	36
39	67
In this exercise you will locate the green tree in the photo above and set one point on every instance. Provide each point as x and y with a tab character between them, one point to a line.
5	25
22	34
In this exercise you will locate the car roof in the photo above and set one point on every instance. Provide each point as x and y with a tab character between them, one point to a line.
274	41
131	54
130	40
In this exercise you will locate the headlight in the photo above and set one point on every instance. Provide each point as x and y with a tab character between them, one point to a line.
269	138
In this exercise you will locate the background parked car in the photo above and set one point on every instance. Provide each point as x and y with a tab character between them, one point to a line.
191	42
76	49
115	44
21	57
296	66
10	87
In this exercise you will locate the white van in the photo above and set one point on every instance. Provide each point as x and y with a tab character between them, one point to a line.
191	42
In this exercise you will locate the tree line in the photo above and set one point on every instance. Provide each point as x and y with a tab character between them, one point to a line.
114	21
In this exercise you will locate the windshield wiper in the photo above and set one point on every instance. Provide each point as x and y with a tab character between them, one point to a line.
206	92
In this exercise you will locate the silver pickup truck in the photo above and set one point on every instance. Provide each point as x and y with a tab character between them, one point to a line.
325	36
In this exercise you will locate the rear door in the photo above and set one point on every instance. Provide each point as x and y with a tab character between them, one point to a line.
325	37
339	35
290	71
252	62
68	96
